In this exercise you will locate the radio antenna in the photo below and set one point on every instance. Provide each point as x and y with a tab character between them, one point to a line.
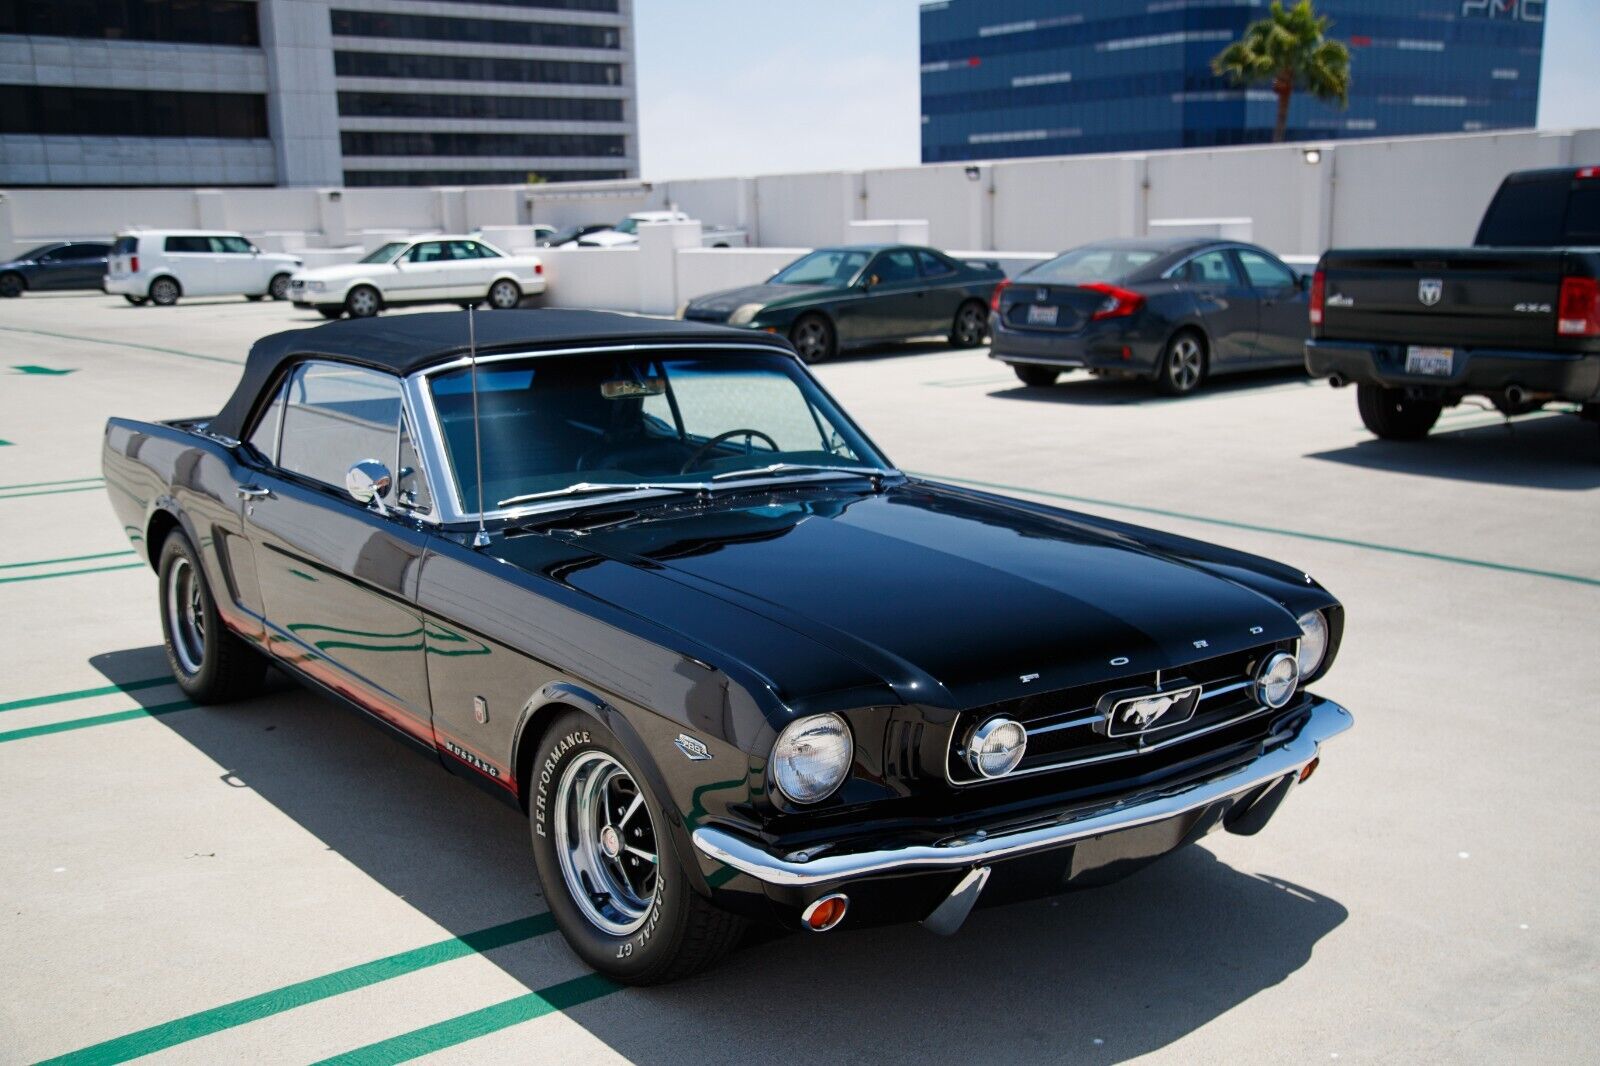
481	538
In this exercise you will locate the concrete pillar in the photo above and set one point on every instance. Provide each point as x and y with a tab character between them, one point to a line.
330	217
887	231
302	104
210	209
1318	216
659	243
452	209
8	229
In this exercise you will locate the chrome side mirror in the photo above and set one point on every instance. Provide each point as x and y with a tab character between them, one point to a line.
367	481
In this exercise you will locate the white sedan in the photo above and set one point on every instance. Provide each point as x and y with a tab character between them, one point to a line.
433	269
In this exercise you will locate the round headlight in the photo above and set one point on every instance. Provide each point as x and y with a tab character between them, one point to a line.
1313	642
1277	678
812	757
745	314
996	746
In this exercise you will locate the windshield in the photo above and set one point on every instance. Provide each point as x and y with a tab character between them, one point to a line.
826	267
1092	262
628	225
599	420
385	253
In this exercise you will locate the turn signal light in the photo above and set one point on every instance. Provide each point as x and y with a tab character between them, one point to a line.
1308	769
1319	289
994	299
1118	303
826	912
1579	314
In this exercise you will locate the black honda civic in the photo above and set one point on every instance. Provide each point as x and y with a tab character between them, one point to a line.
1172	311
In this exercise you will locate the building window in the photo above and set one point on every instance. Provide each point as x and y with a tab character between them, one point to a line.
51	109
381	178
554	5
474	68
545	108
407	143
477	31
184	21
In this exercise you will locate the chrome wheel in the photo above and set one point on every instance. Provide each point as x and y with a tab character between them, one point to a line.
279	289
969	326
362	302
504	295
606	843
1185	364
164	292
810	338
186	616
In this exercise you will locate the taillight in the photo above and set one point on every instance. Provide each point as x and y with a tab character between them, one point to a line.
538	268
1118	303
994	299
1579	314
133	264
1319	289
1587	173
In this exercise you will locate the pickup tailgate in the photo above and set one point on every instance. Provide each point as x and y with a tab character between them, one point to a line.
1456	297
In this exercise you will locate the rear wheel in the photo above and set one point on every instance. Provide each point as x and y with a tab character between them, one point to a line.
1392	415
137	301
504	295
210	663
813	337
12	285
1036	377
971	322
278	288
1183	364
363	301
164	292
610	876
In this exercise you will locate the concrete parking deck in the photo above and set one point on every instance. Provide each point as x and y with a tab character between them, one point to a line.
277	881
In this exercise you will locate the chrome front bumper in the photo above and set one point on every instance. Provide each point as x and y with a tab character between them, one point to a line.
973	849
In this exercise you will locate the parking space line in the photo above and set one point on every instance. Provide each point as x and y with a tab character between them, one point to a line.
45	484
69	573
88	693
1415	553
153	711
48	492
266	1004
471	1026
124	344
67	559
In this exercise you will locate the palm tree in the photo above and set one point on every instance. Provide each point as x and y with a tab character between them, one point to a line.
1290	50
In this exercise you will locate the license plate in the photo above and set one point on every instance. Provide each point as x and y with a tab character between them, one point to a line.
1434	362
1042	315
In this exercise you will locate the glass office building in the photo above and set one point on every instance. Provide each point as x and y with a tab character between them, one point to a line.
1007	78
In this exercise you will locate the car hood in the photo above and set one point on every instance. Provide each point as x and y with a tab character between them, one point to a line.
344	271
950	598
730	300
607	238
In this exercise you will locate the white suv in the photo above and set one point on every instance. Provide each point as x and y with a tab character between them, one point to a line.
159	266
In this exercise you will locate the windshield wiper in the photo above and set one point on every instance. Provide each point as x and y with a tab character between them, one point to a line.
804	468
587	488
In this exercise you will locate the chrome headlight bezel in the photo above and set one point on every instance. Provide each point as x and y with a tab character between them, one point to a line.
999	736
828	729
1316	637
745	314
1276	680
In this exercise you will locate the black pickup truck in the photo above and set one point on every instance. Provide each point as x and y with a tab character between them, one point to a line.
1515	318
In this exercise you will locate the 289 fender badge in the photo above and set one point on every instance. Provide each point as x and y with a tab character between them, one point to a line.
694	749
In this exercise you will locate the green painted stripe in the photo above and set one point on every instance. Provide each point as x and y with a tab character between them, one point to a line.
69	573
125	344
43	371
254	1008
43	484
154	711
459	1030
65	559
48	492
87	693
1414	553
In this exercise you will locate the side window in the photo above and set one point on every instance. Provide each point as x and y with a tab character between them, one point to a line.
411	485
465	250
1211	268
264	438
188	244
896	266
232	245
428	252
337	416
81	252
933	266
1266	274
485	252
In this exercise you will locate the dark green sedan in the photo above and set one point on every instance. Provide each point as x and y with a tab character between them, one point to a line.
833	299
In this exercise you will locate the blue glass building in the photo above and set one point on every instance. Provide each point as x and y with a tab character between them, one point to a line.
1054	77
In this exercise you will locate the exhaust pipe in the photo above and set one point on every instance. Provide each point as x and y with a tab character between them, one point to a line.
1516	395
1338	381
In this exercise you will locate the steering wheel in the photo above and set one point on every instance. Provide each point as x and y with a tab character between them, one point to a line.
699	453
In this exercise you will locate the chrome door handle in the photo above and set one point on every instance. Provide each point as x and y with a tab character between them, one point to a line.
252	492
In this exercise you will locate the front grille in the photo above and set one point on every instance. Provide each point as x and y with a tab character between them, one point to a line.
1066	729
694	315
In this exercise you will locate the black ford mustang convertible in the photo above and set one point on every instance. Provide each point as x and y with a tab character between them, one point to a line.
648	582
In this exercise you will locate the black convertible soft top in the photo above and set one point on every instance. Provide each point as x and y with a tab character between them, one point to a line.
407	343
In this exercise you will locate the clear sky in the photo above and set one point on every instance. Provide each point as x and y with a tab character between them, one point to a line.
734	87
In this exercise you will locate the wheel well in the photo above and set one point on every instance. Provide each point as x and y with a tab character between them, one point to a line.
170	278
533	731
365	285
826	318
506	277
1199	334
162	523
21	277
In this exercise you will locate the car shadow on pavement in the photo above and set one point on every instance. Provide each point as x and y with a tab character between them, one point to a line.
1551	451
1116	971
1087	390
